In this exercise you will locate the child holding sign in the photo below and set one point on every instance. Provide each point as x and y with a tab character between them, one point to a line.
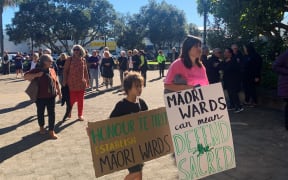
133	84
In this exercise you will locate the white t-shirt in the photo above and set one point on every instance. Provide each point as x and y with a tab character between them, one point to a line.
130	63
33	65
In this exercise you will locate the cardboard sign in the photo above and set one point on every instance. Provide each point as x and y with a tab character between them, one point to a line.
201	131
120	143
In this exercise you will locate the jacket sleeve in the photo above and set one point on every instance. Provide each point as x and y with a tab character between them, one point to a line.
280	65
158	59
66	70
142	58
86	76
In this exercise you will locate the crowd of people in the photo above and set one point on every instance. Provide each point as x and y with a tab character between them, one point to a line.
239	71
74	74
70	76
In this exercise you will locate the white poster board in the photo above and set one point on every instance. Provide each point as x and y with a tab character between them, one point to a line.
201	131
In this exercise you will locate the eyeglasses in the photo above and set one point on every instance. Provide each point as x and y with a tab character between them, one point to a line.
76	49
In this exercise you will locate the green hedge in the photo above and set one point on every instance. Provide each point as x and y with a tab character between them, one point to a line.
269	77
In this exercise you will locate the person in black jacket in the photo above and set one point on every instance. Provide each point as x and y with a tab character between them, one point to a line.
252	74
240	59
107	66
212	66
136	60
123	65
232	80
133	85
143	66
6	64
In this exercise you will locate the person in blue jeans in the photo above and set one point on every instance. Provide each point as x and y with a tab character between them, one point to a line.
93	63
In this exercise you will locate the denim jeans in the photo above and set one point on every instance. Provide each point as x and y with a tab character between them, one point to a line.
94	75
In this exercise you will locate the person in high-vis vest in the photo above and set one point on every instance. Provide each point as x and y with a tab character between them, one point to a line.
161	59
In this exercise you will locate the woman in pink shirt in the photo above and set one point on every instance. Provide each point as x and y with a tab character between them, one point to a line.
187	71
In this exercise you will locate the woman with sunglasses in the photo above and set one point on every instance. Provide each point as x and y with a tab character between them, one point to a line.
48	90
76	77
187	71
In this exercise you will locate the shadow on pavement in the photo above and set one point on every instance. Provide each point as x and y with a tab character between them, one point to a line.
59	127
28	142
156	79
15	81
24	144
7	79
21	105
14	127
89	95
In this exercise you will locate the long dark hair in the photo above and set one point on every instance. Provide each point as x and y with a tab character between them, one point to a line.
188	43
230	51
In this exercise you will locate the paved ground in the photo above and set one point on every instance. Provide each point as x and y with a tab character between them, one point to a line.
261	143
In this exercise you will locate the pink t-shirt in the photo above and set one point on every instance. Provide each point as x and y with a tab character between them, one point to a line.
193	77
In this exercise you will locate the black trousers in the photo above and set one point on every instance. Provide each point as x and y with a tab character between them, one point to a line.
161	69
144	75
48	103
234	98
250	91
5	68
286	113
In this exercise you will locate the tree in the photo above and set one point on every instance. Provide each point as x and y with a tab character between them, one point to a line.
249	19
54	23
3	4
193	29
165	24
132	35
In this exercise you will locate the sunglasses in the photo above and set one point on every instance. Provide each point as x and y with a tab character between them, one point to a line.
76	49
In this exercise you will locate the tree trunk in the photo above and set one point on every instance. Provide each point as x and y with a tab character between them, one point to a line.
1	30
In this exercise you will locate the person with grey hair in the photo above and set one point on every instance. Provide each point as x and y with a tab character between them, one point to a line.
48	89
107	67
54	65
212	66
75	76
123	65
35	61
174	54
93	64
47	51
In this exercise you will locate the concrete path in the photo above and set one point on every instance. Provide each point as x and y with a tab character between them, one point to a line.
261	143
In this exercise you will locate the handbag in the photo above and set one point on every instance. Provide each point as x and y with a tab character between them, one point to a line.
32	90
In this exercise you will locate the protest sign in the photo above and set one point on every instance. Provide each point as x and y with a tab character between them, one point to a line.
119	143
201	131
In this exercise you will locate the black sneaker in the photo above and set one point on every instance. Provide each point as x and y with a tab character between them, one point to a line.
238	110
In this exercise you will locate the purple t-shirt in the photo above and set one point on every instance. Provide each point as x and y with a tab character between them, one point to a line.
93	62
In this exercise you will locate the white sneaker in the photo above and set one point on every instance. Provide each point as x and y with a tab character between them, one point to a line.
238	110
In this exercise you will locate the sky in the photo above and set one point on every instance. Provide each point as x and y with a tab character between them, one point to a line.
133	6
